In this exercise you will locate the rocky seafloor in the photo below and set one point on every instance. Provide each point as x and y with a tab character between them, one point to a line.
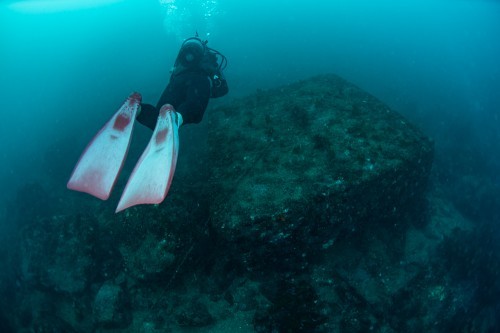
309	208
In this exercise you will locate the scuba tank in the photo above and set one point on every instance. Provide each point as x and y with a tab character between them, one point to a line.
194	55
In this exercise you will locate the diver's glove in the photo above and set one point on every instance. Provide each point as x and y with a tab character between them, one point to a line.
219	86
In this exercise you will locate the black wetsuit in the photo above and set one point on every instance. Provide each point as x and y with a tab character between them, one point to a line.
188	92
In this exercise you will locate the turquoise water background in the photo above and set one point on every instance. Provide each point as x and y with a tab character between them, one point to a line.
67	65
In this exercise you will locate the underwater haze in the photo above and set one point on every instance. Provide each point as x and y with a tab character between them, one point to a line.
67	65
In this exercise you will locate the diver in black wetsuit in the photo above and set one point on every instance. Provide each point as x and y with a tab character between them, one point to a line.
196	77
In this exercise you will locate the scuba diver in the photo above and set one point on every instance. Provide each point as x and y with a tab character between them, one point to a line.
196	77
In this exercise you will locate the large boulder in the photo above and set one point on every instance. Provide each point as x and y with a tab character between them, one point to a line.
294	166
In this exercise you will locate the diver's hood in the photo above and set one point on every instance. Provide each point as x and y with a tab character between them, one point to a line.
195	55
191	52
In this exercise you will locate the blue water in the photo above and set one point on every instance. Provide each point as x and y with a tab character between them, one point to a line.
66	65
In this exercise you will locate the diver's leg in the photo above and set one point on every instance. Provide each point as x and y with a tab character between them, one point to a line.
148	115
197	94
172	94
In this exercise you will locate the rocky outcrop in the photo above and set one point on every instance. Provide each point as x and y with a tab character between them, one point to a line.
295	166
57	254
110	307
314	219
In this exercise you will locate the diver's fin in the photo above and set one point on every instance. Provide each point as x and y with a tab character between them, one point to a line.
152	176
101	162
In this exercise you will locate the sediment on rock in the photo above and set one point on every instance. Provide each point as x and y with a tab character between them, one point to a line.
294	166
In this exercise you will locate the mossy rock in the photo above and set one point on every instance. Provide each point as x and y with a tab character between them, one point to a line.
298	163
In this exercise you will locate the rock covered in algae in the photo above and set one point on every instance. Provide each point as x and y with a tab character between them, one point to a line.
110	308
301	162
57	254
